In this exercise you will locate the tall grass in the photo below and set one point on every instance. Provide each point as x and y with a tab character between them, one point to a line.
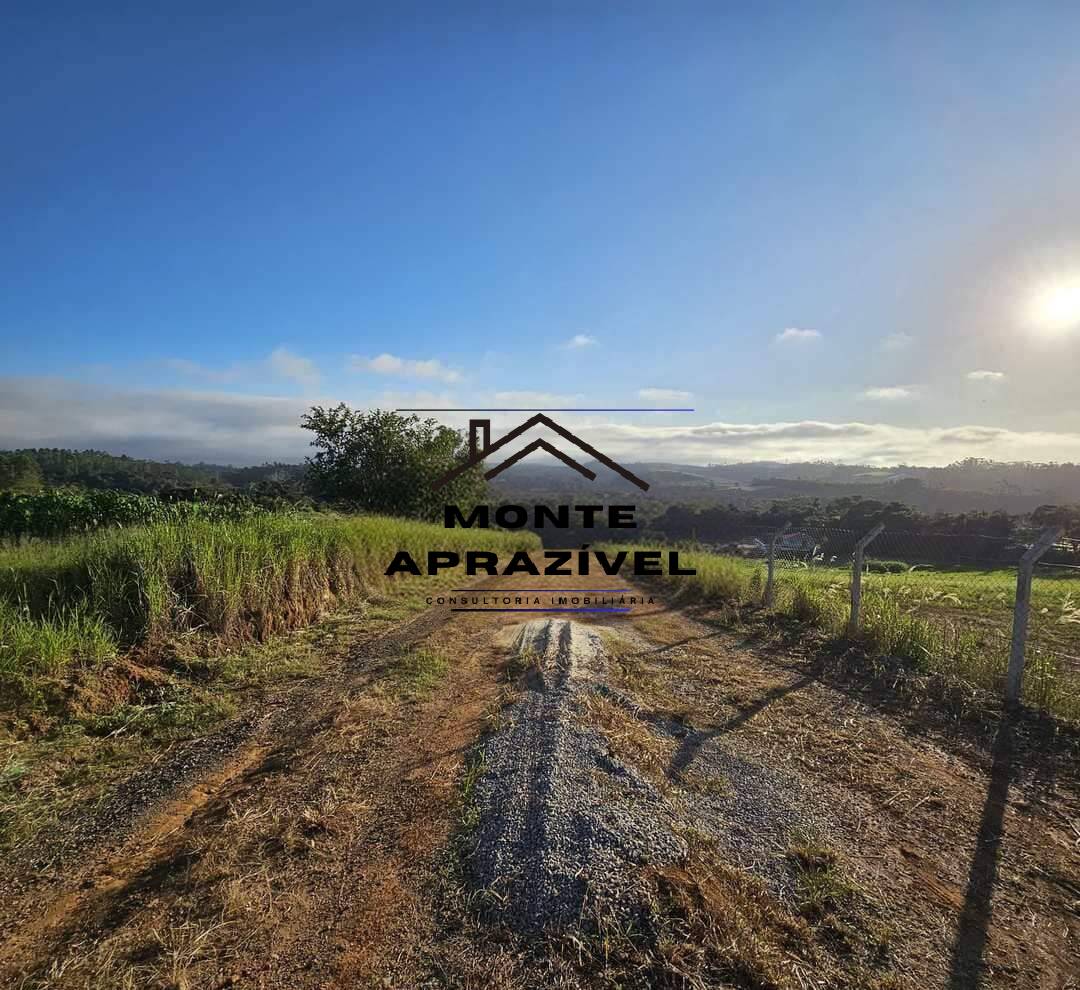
29	644
954	625
88	597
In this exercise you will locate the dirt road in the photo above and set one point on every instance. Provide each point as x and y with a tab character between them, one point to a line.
323	840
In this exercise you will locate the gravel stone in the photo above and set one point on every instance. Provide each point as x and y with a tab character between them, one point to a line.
564	827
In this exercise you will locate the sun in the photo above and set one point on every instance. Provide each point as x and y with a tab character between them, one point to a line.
1055	308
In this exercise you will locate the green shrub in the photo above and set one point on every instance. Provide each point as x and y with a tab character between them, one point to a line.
887	567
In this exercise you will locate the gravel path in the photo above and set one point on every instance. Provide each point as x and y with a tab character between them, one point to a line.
564	827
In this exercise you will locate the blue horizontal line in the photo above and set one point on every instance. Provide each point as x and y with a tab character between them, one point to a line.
540	610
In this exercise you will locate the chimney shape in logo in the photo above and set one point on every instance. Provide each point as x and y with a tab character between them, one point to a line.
474	425
480	449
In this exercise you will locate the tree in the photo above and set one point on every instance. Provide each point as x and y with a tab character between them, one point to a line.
1058	515
19	473
381	461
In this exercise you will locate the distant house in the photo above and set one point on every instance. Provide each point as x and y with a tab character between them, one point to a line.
797	542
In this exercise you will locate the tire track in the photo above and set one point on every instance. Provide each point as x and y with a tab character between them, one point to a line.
86	872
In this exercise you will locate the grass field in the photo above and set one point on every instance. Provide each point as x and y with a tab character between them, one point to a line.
955	623
194	586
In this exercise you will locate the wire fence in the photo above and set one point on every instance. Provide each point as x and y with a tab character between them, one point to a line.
1053	643
945	601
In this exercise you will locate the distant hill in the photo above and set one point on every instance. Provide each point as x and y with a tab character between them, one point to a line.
966	486
971	485
97	469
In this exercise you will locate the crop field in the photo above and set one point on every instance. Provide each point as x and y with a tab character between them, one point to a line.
953	622
56	513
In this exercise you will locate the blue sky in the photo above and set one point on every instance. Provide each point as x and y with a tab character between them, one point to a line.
840	231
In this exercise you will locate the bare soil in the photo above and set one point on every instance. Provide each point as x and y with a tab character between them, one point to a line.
322	839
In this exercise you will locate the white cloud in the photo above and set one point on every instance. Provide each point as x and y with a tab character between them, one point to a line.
794	335
664	394
879	444
166	424
250	429
389	364
279	363
985	376
535	399
580	340
897	342
299	369
890	393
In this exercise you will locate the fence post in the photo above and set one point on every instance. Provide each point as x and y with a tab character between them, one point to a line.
769	589
856	576
1021	610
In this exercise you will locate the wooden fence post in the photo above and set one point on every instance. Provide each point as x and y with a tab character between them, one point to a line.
770	591
856	576
1021	610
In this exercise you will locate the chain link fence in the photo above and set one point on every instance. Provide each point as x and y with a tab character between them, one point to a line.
1052	672
944	602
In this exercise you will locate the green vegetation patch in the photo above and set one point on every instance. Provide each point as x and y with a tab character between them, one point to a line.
59	512
820	885
953	623
417	672
194	588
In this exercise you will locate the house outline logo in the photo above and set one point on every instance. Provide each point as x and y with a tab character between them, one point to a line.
479	452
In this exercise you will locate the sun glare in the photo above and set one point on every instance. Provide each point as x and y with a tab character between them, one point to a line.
1056	307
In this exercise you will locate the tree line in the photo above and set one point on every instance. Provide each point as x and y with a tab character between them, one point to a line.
371	462
31	469
858	514
383	462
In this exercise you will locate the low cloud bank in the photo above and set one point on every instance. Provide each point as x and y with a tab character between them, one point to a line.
250	429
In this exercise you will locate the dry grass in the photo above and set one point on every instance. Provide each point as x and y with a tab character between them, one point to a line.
207	608
721	923
631	739
712	924
340	853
